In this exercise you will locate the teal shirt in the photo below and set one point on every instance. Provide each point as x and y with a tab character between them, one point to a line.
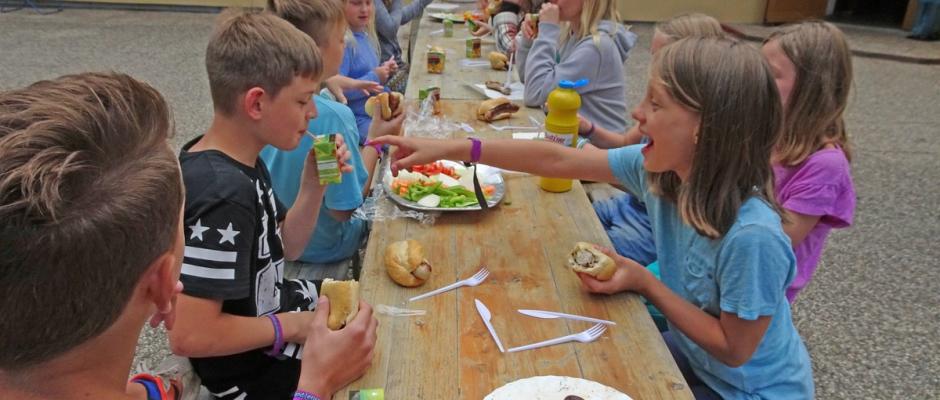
332	240
746	273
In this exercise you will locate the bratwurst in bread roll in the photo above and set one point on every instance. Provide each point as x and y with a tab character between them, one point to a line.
406	264
344	301
587	259
391	104
496	109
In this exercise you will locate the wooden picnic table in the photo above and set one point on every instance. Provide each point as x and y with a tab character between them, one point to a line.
455	79
448	353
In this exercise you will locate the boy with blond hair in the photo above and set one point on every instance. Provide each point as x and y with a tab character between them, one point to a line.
240	322
338	235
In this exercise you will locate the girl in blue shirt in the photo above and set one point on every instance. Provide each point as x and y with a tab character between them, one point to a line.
361	60
712	113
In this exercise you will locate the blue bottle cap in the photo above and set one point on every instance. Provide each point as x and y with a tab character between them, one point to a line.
566	84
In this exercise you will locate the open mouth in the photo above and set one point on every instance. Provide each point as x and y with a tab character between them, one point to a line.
647	147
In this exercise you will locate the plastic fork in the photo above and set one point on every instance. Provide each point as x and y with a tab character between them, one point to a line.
586	336
504	127
474	280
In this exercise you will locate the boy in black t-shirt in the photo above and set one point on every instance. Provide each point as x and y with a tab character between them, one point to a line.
240	321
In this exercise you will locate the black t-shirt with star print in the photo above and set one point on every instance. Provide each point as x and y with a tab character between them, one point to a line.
233	247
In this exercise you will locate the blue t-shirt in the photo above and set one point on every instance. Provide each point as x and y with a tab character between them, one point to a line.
332	240
746	273
359	62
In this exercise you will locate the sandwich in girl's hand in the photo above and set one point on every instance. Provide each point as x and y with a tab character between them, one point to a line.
391	103
587	259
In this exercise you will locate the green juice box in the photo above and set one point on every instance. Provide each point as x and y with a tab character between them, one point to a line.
324	148
448	28
367	394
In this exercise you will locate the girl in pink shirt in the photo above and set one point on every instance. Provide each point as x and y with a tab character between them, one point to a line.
812	66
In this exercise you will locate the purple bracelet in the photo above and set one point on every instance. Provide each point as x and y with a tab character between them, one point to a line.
304	395
278	336
475	150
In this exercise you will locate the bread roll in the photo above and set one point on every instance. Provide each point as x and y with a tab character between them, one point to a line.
406	264
344	301
391	104
496	109
498	61
587	259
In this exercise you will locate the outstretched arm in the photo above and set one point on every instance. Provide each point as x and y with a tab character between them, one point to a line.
543	158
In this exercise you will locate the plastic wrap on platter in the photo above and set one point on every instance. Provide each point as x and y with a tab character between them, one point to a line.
379	207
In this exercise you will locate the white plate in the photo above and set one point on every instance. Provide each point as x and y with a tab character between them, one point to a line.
555	388
516	91
444	7
440	16
487	175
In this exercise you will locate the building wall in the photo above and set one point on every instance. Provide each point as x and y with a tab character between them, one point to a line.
738	11
209	3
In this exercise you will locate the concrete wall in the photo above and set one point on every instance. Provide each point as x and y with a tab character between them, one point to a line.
740	11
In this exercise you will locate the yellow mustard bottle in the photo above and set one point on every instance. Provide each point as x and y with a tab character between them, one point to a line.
561	126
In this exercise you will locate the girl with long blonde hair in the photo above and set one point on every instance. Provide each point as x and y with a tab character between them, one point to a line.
578	39
812	66
713	115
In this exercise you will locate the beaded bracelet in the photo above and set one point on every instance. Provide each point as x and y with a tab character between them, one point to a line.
278	336
304	395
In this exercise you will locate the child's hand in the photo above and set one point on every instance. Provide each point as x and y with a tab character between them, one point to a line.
549	14
483	28
629	276
413	151
583	124
333	359
338	84
382	72
380	127
391	64
528	32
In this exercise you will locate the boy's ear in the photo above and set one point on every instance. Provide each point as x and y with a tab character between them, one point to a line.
252	102
163	286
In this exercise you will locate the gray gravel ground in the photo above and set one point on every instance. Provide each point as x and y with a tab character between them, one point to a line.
871	317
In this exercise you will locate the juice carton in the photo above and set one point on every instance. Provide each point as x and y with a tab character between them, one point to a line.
324	148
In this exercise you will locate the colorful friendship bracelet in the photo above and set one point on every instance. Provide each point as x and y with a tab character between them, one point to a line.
278	336
305	395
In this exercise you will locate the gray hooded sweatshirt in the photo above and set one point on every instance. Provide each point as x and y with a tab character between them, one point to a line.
542	65
388	19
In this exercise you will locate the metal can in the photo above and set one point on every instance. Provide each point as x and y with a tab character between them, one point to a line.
474	48
448	28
